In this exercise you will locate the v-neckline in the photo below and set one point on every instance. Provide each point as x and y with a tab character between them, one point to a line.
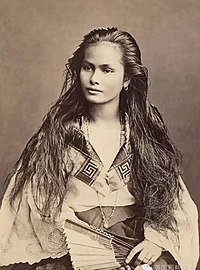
97	155
91	151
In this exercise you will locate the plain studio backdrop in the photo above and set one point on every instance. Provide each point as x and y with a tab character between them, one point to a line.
38	36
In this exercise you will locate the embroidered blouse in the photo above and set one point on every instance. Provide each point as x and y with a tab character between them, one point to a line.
25	237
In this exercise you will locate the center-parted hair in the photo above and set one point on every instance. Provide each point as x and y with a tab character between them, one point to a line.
155	166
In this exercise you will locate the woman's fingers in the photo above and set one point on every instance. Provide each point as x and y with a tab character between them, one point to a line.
143	257
133	252
147	257
148	253
154	258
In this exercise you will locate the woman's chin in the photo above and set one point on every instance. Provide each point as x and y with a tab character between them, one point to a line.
94	99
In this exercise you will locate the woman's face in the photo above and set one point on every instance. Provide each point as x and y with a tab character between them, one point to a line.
102	73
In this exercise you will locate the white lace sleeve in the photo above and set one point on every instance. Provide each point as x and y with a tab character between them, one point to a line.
24	236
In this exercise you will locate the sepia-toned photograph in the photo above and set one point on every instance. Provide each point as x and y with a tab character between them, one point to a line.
100	134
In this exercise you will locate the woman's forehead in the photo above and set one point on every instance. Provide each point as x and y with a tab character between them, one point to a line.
104	52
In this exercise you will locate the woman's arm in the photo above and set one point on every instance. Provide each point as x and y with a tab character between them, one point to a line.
24	236
185	247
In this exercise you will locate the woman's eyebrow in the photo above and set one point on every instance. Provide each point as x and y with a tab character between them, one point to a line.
102	65
87	62
105	66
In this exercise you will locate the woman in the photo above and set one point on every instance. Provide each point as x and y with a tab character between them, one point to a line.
102	156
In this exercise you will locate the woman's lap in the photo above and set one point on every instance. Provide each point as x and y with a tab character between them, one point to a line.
165	262
64	263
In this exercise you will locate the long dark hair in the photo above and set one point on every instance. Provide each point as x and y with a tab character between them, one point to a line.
155	166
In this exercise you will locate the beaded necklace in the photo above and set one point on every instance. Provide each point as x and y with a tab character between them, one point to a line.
122	134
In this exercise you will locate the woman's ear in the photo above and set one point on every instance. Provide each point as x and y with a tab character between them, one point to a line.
126	81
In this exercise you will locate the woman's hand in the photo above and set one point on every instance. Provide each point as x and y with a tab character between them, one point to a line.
148	253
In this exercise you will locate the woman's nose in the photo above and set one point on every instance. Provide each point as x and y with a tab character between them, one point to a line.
94	79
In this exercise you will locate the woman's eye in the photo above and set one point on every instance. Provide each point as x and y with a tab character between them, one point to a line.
86	67
107	70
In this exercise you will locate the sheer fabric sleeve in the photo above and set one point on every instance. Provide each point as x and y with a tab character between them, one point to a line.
24	236
185	246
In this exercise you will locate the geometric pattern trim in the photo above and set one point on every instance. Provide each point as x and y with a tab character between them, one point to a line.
90	169
88	166
124	169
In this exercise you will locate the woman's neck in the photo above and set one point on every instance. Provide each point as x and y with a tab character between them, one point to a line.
104	113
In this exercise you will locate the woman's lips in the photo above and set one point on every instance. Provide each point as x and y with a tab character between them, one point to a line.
93	90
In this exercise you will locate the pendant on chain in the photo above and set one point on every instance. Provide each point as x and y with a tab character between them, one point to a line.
105	224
